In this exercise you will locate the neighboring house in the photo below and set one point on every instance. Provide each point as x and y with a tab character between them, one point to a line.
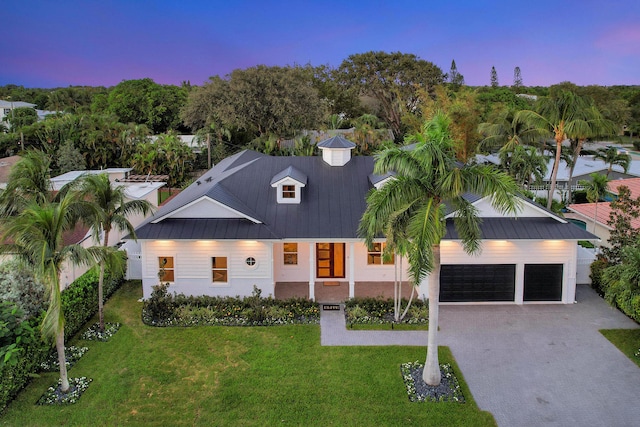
596	220
288	225
6	107
6	164
585	166
135	190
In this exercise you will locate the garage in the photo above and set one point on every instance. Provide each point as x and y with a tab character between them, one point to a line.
543	282
477	283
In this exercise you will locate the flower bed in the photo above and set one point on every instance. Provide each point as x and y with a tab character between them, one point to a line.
418	391
72	353
372	311
53	395
163	309
94	334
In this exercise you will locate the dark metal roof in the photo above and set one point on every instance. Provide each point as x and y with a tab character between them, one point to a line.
292	173
331	205
336	142
374	179
538	228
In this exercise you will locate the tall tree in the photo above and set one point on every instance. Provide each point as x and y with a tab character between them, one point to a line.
412	206
525	164
111	211
517	79
565	116
504	133
36	236
596	189
454	77
494	77
260	100
392	80
612	157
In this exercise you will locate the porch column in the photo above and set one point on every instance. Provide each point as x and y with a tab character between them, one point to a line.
312	271
352	269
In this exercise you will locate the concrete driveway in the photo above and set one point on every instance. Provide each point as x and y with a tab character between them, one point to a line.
532	365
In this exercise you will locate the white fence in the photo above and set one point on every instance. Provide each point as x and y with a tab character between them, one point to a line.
583	265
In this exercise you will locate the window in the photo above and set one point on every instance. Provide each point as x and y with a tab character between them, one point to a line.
219	269
290	254
375	255
250	261
288	191
166	269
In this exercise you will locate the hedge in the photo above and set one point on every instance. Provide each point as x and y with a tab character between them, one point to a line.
80	303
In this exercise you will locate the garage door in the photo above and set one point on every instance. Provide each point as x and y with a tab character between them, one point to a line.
543	282
476	283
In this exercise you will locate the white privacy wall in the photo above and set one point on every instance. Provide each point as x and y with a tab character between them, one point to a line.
192	261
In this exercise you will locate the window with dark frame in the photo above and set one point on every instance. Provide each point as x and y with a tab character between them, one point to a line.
290	254
219	269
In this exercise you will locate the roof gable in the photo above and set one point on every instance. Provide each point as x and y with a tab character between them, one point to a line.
290	173
206	208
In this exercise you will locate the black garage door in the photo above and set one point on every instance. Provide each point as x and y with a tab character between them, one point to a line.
543	282
475	283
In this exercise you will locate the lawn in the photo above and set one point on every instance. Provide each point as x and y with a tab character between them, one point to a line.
236	376
627	341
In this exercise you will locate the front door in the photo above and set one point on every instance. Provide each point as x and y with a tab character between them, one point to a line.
330	260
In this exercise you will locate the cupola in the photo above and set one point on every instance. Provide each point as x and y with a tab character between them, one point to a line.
336	151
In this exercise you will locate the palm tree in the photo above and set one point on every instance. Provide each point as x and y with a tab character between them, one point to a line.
611	157
29	180
36	239
527	166
596	190
111	210
411	209
506	133
565	116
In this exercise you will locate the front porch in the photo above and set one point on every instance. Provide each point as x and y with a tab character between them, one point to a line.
338	291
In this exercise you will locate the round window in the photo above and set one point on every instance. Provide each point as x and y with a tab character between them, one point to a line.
250	261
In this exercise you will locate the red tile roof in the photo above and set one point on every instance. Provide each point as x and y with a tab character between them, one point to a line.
632	183
588	210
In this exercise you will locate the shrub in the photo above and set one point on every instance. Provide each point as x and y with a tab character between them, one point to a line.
597	268
163	309
15	333
375	310
79	302
19	285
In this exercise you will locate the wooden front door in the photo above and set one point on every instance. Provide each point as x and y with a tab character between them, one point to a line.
330	260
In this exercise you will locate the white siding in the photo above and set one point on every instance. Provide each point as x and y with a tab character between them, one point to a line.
192	260
373	273
526	210
206	208
291	273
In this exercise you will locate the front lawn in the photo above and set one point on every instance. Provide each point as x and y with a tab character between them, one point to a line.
627	341
214	375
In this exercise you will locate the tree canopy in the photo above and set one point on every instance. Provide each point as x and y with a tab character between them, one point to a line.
261	100
391	79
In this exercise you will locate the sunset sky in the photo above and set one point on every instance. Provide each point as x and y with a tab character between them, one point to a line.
48	43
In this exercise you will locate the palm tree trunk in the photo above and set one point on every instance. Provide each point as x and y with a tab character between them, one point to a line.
396	292
100	288
431	372
554	174
576	155
62	360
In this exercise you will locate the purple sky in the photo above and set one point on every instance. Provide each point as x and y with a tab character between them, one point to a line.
49	43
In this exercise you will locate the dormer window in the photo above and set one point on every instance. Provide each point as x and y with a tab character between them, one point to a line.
288	191
289	184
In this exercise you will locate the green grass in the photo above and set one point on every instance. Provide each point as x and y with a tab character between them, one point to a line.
627	341
247	376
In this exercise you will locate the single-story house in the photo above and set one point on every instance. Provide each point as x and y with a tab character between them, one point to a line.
596	217
288	225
